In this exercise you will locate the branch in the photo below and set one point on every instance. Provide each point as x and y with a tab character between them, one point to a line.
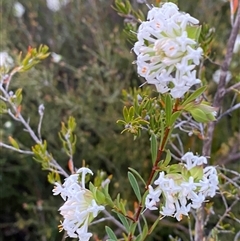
226	159
235	107
221	90
231	88
15	149
217	102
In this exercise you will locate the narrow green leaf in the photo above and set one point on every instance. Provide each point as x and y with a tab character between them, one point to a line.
125	113
154	225
144	232
145	228
162	128
135	186
154	148
168	108
124	221
121	122
3	107
138	175
174	117
138	237
199	115
131	113
167	159
13	142
18	99
194	32
194	95
133	227
110	233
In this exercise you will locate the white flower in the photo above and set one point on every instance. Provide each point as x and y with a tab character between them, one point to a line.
18	10
181	210
41	109
236	48
166	55
179	191
6	60
8	124
84	171
192	160
56	5
152	198
79	207
56	57
217	74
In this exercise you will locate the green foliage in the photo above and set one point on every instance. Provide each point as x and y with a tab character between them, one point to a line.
67	137
33	57
135	186
87	83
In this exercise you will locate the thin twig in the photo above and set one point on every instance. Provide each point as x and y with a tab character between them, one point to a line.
221	90
114	220
224	215
231	88
235	107
15	149
217	102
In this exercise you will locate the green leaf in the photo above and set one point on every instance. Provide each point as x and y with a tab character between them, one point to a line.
167	159
125	113
199	115
13	142
133	227
3	107
194	95
121	122
162	127
110	233
138	175
18	98
131	113
168	109
193	32
174	117
145	229
154	148
124	221
154	225
138	237
134	185
100	197
72	123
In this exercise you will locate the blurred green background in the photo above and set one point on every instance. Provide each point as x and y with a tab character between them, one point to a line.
87	82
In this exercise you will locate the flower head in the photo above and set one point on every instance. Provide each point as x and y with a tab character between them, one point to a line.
18	9
163	46
56	5
6	60
182	191
79	207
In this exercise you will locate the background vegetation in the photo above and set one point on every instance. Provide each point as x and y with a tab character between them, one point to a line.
96	66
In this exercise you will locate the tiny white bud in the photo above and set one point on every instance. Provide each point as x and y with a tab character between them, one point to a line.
18	10
8	124
6	60
56	57
41	109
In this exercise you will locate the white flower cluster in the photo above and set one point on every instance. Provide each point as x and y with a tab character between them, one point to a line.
166	54
179	193
6	60
79	207
18	10
56	5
